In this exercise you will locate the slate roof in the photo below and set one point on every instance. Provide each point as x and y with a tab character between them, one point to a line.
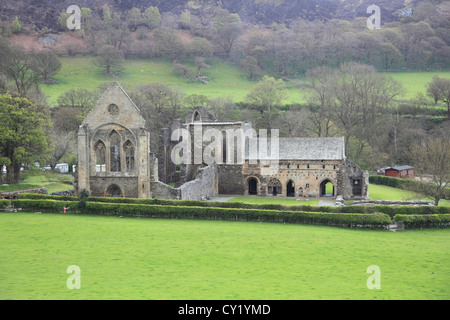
400	168
301	149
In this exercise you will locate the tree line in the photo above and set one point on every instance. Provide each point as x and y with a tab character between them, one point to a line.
416	42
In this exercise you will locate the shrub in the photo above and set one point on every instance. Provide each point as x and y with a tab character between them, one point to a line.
4	203
378	220
423	220
389	210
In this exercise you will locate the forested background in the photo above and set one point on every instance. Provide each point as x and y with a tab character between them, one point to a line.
324	47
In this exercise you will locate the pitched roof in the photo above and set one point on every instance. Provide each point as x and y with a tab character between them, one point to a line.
400	168
300	149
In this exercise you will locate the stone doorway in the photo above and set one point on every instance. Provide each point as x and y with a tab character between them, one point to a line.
326	188
290	189
252	186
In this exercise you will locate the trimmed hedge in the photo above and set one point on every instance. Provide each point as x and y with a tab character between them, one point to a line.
4	203
389	210
423	220
210	213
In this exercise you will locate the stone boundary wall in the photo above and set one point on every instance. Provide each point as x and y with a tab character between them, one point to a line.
391	203
15	194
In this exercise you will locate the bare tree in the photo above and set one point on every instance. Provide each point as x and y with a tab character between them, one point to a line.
439	90
319	99
431	156
47	64
109	58
18	65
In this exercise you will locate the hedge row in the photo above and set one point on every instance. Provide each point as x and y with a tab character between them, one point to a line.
4	203
389	210
210	213
423	221
405	184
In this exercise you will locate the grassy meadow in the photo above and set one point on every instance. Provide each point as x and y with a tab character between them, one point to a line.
52	182
225	79
133	258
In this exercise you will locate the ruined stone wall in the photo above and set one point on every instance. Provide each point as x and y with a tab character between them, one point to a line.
203	187
127	185
160	190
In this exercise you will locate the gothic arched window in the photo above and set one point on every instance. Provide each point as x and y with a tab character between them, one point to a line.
128	149
100	156
114	152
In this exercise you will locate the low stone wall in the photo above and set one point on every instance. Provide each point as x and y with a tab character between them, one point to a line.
391	203
202	188
15	194
160	190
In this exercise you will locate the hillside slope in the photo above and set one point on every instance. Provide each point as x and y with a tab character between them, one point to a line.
44	13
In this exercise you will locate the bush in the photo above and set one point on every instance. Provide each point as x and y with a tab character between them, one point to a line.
389	210
376	220
424	220
4	203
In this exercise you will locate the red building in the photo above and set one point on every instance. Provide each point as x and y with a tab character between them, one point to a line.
406	172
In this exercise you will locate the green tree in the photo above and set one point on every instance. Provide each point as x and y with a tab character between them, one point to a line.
16	26
24	135
134	18
267	96
62	20
250	65
152	17
228	27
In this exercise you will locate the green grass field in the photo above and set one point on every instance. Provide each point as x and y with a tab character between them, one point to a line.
415	82
52	182
380	192
225	80
133	258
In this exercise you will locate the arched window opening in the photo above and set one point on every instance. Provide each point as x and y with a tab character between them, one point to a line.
290	189
274	187
197	117
114	149
100	156
129	156
113	191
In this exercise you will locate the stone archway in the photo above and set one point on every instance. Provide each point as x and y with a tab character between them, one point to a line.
113	191
326	188
290	189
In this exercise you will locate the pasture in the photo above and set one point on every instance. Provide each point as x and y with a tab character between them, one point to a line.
224	79
132	258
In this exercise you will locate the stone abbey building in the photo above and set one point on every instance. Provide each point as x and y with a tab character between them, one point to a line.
114	158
